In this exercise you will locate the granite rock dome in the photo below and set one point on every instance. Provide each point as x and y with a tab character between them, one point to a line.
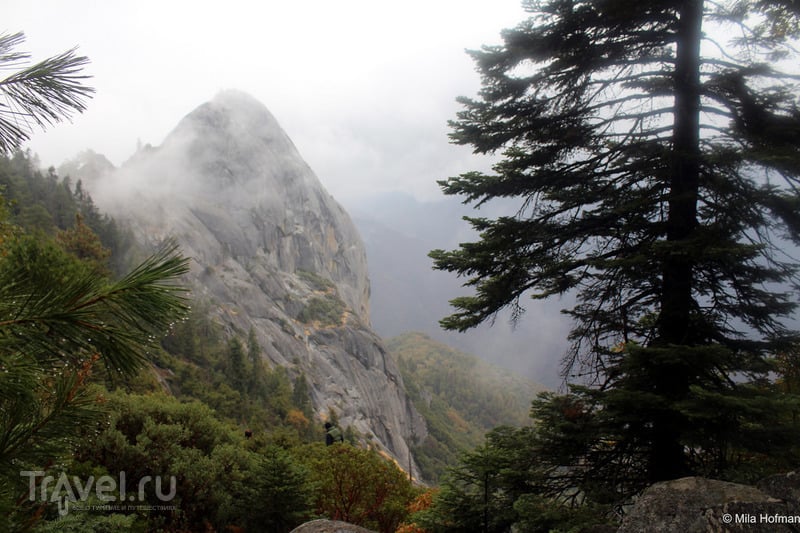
269	247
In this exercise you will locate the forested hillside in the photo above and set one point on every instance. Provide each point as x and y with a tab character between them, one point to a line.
47	203
201	405
461	397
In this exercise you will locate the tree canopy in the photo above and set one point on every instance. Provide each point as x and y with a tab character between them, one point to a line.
657	171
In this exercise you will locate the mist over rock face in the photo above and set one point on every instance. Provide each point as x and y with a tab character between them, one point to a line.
229	183
271	250
88	165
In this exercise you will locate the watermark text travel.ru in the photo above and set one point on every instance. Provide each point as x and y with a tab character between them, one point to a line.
62	490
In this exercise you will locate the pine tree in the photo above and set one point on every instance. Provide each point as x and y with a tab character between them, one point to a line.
43	93
256	379
60	318
235	365
479	493
284	484
301	396
657	171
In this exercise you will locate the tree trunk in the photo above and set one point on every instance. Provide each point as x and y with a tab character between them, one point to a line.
668	459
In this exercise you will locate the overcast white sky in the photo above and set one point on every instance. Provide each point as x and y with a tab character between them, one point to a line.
364	88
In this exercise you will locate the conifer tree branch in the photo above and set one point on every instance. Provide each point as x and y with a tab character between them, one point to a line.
41	94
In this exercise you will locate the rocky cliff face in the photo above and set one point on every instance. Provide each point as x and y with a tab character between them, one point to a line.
271	250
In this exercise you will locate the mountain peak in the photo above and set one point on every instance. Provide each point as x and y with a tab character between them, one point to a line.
232	110
272	251
237	98
233	138
229	166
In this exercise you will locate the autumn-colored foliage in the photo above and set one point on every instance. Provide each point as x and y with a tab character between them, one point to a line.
420	503
359	486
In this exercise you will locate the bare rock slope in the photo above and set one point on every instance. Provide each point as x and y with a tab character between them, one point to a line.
271	250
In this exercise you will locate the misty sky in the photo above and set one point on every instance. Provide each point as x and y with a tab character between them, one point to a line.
364	88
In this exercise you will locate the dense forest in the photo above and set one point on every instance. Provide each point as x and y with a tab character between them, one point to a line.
239	437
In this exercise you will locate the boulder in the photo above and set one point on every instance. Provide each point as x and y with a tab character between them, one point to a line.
695	505
784	487
329	526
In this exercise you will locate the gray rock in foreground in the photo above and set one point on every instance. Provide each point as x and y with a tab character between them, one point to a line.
329	526
699	505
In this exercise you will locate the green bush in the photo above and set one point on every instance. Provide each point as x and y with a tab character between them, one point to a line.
327	310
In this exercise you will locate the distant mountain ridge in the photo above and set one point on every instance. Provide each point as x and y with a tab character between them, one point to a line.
408	295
